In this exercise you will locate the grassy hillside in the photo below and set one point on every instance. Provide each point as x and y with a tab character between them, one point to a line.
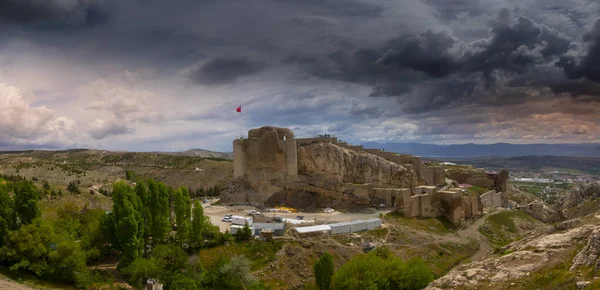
96	167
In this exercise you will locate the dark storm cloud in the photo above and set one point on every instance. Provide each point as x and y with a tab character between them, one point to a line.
350	8
427	53
432	70
585	66
53	12
225	70
515	47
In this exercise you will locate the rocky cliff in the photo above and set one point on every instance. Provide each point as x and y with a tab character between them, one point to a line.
326	175
349	166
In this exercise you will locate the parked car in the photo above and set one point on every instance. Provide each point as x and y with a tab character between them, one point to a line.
369	247
253	212
226	218
300	217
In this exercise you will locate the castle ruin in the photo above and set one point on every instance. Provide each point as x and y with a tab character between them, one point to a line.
272	167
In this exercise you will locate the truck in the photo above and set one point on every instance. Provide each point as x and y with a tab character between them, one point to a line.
240	220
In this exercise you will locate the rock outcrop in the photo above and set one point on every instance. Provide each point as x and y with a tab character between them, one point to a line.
533	253
589	255
347	166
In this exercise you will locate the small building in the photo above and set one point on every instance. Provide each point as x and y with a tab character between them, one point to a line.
277	228
373	224
235	228
340	228
314	229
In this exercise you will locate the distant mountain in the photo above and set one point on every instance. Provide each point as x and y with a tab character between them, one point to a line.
207	154
497	150
199	153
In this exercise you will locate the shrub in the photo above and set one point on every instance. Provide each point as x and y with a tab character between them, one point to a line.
371	271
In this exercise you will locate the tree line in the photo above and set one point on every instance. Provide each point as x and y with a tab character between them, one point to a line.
378	270
155	230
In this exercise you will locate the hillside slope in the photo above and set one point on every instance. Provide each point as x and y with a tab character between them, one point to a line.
97	167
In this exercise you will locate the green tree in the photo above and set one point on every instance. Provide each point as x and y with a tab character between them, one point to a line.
142	269
68	263
93	239
415	275
27	248
183	212
128	221
244	234
72	188
237	273
26	202
363	272
372	271
7	218
159	210
323	270
198	224
141	190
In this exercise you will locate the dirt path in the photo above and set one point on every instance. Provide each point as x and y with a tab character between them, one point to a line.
6	284
473	232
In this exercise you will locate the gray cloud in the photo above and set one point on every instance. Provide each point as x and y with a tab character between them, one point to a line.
53	12
334	64
225	70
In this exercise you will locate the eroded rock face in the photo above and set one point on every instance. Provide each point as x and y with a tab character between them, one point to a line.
528	255
348	166
588	256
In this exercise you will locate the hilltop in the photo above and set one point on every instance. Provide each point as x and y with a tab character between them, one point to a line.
193	169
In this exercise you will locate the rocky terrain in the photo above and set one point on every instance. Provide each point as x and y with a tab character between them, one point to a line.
328	161
564	256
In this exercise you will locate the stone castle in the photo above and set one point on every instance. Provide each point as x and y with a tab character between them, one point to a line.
272	167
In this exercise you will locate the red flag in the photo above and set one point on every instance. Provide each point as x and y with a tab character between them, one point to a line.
239	109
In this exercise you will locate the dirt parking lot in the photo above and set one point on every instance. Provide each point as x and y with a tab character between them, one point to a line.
216	213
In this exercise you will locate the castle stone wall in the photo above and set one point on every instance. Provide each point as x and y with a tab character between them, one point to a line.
239	158
491	199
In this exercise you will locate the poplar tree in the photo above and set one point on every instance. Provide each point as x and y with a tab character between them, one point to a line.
129	223
183	212
323	270
198	224
141	190
159	211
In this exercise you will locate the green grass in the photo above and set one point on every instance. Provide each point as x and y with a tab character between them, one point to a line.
259	253
443	257
476	190
500	229
437	225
